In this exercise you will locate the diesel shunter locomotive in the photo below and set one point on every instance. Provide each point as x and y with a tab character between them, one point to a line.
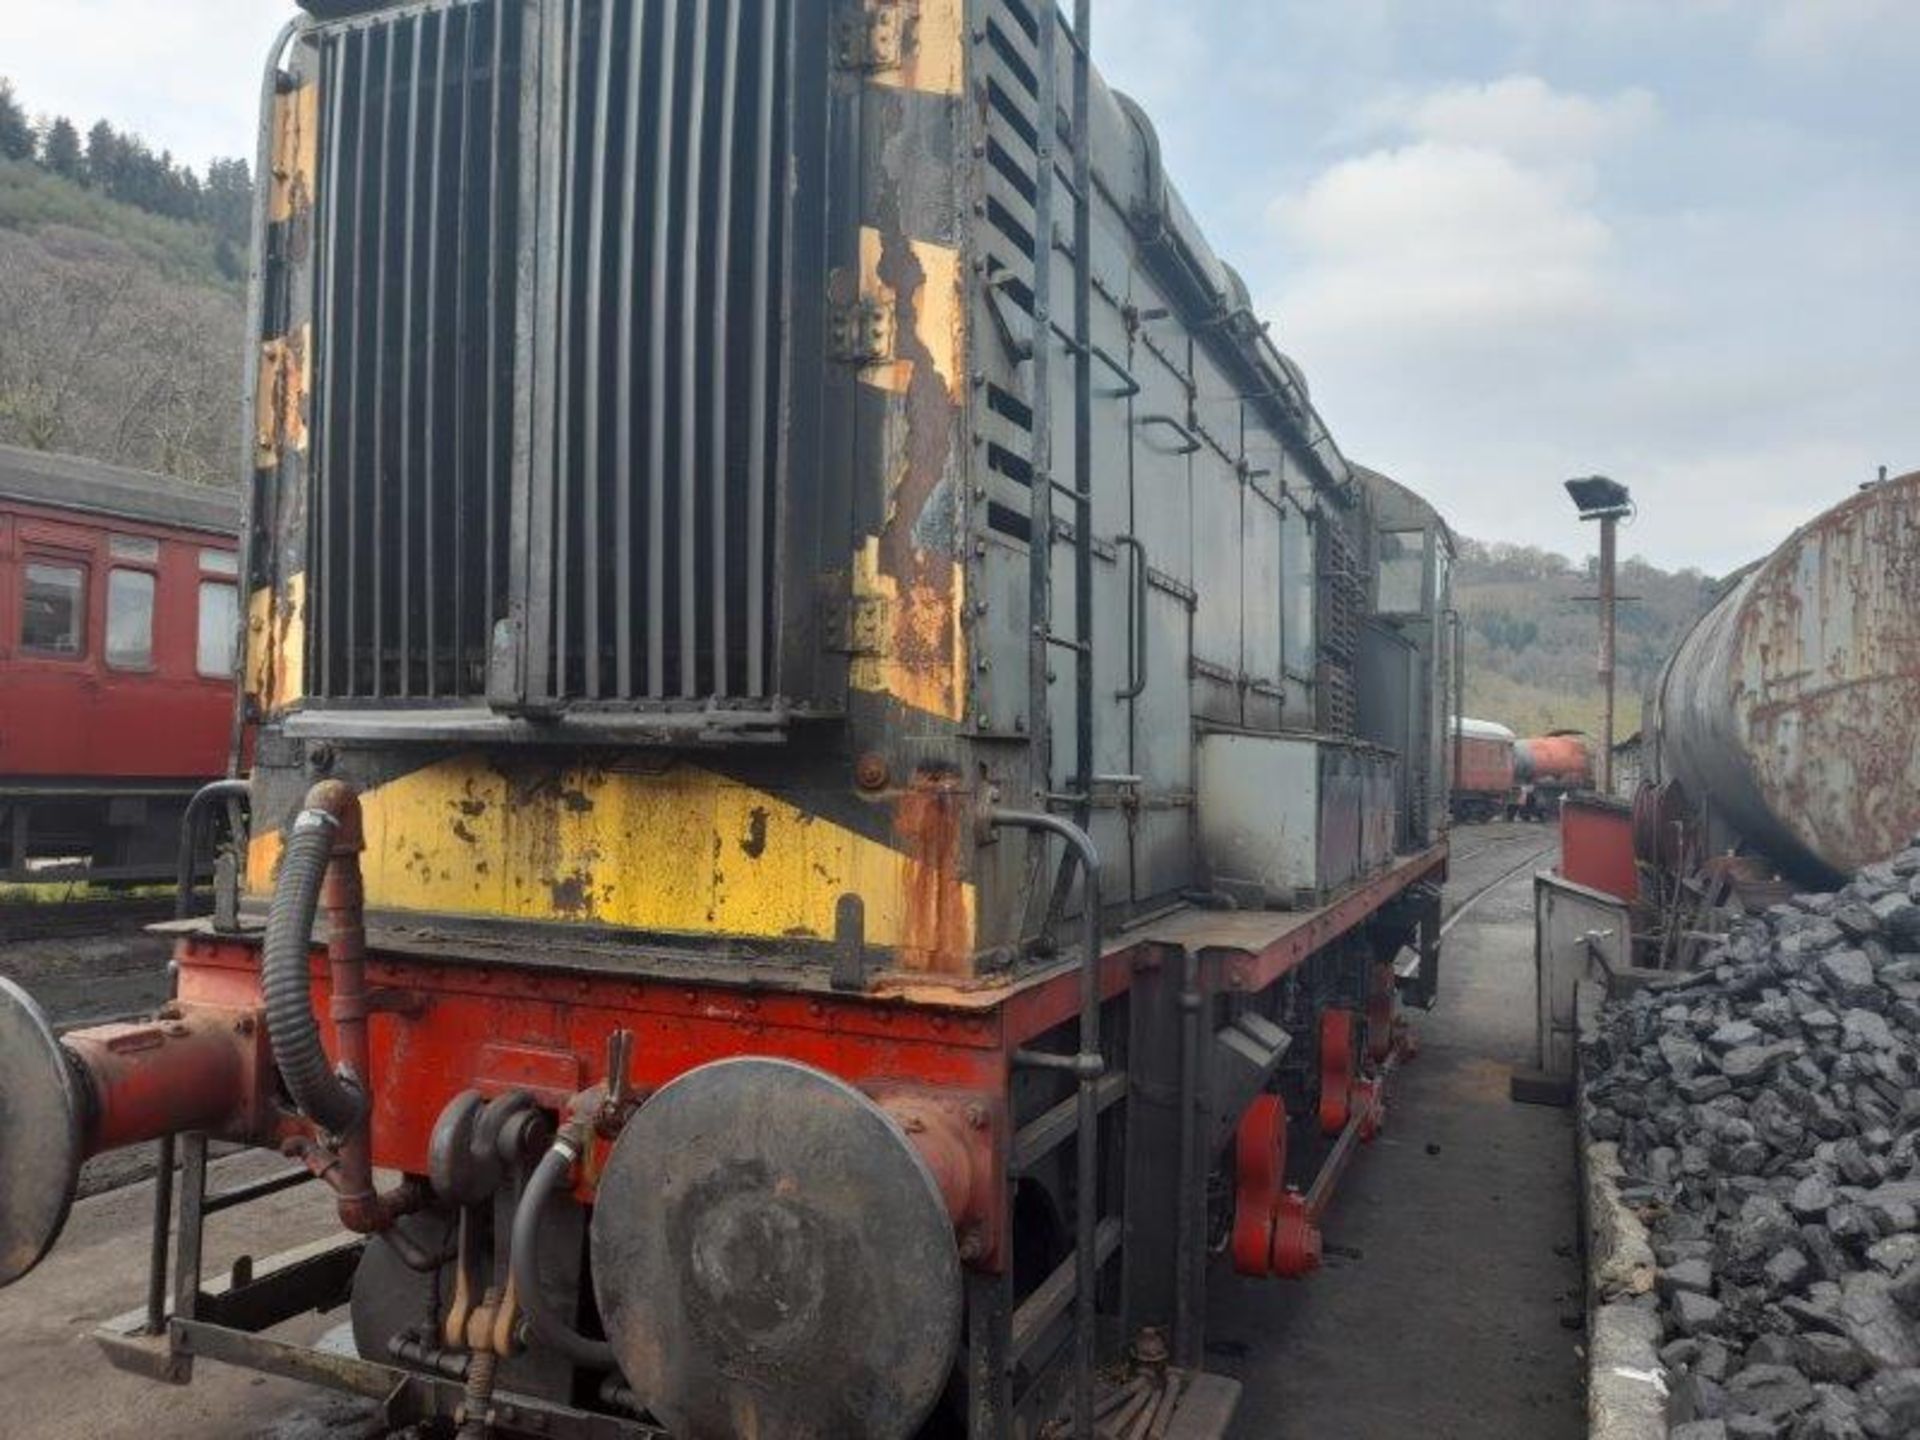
846	783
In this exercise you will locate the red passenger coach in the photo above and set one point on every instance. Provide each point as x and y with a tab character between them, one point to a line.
118	620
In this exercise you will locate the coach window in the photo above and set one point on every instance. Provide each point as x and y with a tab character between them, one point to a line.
219	616
53	615
129	619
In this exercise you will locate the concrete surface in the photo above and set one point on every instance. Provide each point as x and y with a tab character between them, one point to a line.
1450	1325
56	1385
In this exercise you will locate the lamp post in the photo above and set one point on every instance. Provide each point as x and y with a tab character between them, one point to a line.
1607	502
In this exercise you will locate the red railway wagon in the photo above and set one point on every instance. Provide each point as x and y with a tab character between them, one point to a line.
118	622
1483	763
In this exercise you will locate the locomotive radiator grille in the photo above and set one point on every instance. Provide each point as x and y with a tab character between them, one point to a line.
551	363
415	336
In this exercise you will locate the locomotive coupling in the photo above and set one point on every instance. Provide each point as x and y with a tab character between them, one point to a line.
65	1100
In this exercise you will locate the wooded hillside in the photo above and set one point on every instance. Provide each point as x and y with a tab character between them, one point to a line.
1533	643
121	305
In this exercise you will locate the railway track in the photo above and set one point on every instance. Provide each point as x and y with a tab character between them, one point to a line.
1491	854
24	921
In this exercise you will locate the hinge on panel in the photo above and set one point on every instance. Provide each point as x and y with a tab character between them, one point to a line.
850	624
861	332
873	35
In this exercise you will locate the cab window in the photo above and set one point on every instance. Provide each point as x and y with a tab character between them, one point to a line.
53	615
1403	571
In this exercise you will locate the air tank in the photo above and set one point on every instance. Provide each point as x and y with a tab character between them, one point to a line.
1790	713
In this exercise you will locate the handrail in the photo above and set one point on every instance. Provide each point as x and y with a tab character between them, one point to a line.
1188	444
1087	1067
1137	682
190	838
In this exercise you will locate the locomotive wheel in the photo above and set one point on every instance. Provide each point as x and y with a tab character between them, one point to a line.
772	1257
1339	1064
1383	1011
1260	1178
41	1134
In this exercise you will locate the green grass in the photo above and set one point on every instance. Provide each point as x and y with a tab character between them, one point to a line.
73	892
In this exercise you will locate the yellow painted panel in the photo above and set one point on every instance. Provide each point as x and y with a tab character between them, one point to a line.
296	141
938	315
688	851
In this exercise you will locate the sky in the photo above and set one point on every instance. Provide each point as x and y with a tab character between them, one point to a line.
1511	241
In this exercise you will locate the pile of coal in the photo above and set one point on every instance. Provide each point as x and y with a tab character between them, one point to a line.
1767	1112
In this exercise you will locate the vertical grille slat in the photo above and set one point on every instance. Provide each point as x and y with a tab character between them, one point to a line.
693	146
599	160
760	369
409	363
573	335
655	481
320	587
720	564
430	506
383	417
564	464
626	599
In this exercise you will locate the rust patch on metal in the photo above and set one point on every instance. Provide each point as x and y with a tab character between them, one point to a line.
573	894
930	824
1825	677
754	843
280	403
908	584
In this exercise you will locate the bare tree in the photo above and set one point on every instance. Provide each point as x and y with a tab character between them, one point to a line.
104	356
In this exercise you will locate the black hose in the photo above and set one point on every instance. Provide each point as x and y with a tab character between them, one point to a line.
321	1095
548	1328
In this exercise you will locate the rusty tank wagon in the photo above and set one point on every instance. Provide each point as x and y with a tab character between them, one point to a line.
1787	722
778	557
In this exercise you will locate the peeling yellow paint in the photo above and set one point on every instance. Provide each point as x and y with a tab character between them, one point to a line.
280	399
938	317
296	143
277	645
685	852
908	640
932	49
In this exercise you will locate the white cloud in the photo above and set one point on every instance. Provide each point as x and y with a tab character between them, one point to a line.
185	75
1522	116
1442	238
1821	31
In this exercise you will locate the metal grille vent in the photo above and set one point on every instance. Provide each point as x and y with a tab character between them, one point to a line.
1336	711
551	325
669	378
415	334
